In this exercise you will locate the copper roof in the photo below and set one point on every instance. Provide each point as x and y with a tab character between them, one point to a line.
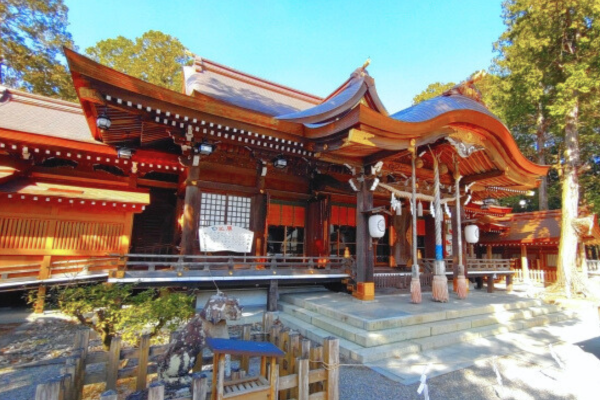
42	190
358	87
244	90
432	108
537	227
26	112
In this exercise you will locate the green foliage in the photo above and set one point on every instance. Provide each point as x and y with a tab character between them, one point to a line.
32	34
154	57
432	90
114	310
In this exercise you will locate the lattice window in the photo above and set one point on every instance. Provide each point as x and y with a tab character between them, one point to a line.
218	209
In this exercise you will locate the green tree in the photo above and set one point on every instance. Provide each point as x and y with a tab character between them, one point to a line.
551	49
432	90
32	35
112	310
154	57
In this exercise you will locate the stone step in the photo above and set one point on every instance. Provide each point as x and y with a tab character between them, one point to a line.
366	338
400	349
332	313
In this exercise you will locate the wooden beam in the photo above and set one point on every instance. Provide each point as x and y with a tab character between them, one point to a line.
481	177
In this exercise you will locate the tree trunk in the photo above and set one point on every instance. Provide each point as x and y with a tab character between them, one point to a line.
540	136
567	250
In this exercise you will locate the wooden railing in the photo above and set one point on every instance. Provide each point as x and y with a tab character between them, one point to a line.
543	276
156	262
473	264
71	269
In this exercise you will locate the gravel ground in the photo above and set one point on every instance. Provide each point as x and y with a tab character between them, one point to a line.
522	378
38	340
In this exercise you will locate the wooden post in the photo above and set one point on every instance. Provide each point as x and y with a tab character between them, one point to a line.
524	264
305	348
70	372
54	389
215	372
75	367
364	244
303	375
509	283
263	366
316	358
220	377
274	380
82	341
272	295
275	335
142	371
190	211
490	283
199	386
112	368
40	300
109	395
156	391
268	318
245	362
331	347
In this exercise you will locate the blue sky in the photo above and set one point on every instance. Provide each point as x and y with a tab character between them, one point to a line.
314	45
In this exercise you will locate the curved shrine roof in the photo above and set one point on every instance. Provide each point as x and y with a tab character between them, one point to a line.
244	90
358	87
437	106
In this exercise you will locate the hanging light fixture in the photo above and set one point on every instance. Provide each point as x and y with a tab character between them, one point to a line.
103	121
125	153
280	162
523	203
205	148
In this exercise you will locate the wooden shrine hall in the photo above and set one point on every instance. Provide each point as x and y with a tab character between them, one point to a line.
253	182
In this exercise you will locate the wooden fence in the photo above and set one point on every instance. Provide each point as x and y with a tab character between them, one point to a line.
543	276
304	373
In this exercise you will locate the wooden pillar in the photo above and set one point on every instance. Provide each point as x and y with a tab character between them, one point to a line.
509	283
524	264
490	283
258	223
364	244
489	252
191	211
401	250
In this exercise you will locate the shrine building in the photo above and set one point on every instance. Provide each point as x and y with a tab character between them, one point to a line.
242	181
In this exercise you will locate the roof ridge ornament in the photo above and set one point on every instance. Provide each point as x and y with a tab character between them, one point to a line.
467	88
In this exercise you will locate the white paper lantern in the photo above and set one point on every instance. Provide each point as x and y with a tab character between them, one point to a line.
376	226
472	233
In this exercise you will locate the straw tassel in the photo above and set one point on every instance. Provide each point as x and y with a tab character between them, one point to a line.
461	287
415	291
